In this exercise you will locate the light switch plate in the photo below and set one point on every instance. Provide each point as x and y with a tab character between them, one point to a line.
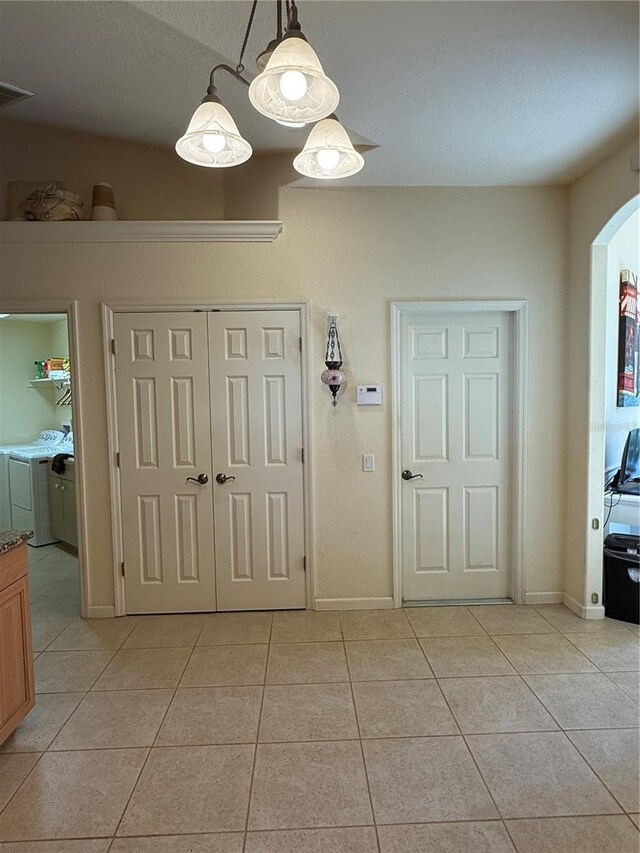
368	462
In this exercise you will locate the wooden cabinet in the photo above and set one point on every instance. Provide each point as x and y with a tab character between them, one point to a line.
17	693
62	505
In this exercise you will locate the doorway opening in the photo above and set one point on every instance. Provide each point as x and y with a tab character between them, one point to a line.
614	250
39	461
459	448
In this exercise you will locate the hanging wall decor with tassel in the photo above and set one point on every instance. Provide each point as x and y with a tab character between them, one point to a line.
333	376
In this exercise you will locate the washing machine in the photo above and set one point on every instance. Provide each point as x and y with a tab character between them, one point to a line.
48	438
29	491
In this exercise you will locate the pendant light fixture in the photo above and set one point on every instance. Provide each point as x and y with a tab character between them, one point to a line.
328	153
293	90
212	138
293	86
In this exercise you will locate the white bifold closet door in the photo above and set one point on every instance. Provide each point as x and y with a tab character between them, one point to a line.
200	395
256	420
456	403
162	386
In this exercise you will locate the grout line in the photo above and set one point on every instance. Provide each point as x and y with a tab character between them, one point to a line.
88	689
473	616
570	728
622	627
321	740
576	750
484	781
53	740
629	672
362	755
38	760
509	663
451	711
511	838
57	635
257	740
593	769
294	829
149	749
595	773
542	616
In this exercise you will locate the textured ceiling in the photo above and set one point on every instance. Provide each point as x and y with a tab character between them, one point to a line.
451	93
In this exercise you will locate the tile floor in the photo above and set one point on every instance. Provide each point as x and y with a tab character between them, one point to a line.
55	590
453	729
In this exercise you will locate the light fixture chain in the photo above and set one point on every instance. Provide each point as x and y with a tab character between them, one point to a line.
240	66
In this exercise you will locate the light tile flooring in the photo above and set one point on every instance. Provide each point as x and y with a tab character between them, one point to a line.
453	729
55	590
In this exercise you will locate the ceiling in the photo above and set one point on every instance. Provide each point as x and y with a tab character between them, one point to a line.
450	93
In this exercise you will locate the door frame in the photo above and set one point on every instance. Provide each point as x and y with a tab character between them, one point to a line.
108	311
70	308
519	386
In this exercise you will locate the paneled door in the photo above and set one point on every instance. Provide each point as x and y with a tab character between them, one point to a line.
456	401
164	436
256	418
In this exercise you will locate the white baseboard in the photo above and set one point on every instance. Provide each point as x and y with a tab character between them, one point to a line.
385	603
593	611
101	611
543	597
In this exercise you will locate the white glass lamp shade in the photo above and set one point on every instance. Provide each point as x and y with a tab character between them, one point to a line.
212	139
291	123
328	153
293	88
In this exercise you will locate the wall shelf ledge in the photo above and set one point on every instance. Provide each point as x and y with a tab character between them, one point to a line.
50	383
142	231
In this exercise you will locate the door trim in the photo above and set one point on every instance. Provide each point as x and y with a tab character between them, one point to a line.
519	310
70	308
108	310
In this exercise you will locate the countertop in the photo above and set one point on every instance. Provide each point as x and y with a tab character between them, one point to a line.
12	538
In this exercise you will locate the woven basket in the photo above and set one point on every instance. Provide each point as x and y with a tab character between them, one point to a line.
53	204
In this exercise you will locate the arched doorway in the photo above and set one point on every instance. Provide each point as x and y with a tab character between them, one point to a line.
601	271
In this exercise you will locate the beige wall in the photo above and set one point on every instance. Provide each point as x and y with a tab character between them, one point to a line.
60	339
349	252
149	181
622	253
25	410
593	201
253	192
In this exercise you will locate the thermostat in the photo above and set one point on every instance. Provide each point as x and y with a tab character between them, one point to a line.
369	395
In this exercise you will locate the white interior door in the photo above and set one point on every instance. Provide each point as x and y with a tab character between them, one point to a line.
162	385
256	404
455	438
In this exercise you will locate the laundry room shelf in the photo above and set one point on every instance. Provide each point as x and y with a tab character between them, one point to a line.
139	231
39	383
